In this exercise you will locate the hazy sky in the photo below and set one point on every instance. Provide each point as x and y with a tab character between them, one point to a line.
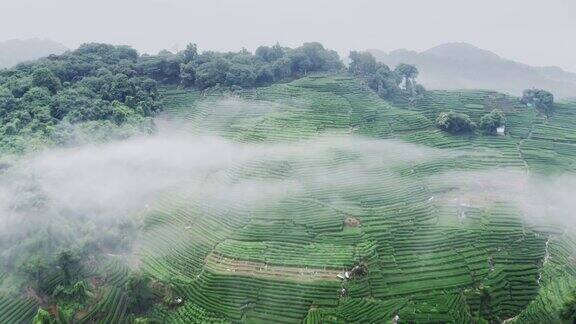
536	32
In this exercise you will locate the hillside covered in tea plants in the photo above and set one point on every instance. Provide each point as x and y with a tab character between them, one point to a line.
320	195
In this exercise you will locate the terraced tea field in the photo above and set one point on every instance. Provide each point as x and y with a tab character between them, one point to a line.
437	249
331	177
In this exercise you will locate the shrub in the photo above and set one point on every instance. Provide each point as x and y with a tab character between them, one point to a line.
43	317
541	99
454	123
491	121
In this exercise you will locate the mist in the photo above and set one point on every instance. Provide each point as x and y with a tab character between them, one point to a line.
108	183
117	179
543	201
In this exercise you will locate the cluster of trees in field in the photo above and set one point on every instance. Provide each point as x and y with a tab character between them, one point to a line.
74	292
490	122
387	83
58	265
70	290
541	99
455	123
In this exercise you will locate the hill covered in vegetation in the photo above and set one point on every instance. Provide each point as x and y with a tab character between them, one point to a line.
320	195
100	86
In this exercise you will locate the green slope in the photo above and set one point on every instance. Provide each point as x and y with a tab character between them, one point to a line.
347	189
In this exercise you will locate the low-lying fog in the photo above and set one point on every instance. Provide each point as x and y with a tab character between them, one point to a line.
108	182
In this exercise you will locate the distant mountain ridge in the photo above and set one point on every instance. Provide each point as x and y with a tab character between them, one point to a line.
464	66
15	51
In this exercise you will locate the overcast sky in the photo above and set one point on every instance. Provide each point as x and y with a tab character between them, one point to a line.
535	32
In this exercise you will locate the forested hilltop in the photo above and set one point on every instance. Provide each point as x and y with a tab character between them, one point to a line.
101	91
101	87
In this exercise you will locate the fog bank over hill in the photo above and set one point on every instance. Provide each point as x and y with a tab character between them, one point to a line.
464	66
15	51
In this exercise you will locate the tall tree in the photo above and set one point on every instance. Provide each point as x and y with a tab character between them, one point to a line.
189	54
363	63
408	73
139	292
541	99
68	261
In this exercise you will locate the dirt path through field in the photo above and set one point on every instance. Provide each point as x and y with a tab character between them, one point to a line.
221	264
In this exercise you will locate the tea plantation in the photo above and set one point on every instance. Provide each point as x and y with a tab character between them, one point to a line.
433	253
342	178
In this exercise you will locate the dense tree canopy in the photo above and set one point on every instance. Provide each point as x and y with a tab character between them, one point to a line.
43	77
239	69
96	82
113	84
110	85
